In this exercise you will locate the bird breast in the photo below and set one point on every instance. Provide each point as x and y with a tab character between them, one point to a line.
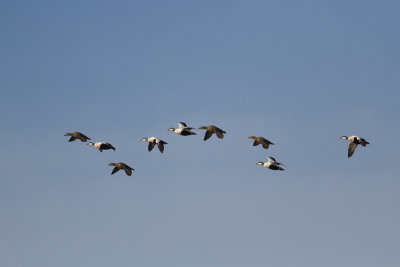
98	145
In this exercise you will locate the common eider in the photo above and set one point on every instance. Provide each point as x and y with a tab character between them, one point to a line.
183	129
101	146
77	135
211	130
121	166
261	140
155	141
354	141
271	164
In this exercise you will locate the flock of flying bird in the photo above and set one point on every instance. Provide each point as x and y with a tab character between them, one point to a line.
184	130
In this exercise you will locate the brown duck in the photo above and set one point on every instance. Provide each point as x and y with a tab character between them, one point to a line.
261	140
77	135
121	166
211	130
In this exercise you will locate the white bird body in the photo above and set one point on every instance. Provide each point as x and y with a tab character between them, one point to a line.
271	164
182	129
155	141
98	144
178	131
101	146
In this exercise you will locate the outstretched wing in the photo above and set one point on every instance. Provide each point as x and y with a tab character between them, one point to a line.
363	142
128	171
219	133
187	132
207	135
107	146
275	167
255	143
72	139
265	145
161	146
218	129
115	170
83	137
182	125
352	148
151	146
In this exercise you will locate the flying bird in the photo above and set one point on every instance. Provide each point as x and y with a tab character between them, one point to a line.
183	129
271	164
101	146
121	166
77	135
261	140
354	141
211	129
155	141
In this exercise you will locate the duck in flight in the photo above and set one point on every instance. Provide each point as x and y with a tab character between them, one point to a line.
77	135
101	146
211	129
154	141
121	166
271	164
261	140
183	129
354	141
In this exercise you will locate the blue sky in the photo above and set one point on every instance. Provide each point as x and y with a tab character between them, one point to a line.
300	73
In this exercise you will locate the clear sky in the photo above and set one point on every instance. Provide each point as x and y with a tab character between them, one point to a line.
300	73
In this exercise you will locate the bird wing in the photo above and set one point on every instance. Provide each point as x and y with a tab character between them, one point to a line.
255	143
72	139
363	142
115	170
182	125
128	171
219	133
83	137
265	145
110	146
207	135
352	148
218	129
161	146
271	159
151	145
267	141
275	167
